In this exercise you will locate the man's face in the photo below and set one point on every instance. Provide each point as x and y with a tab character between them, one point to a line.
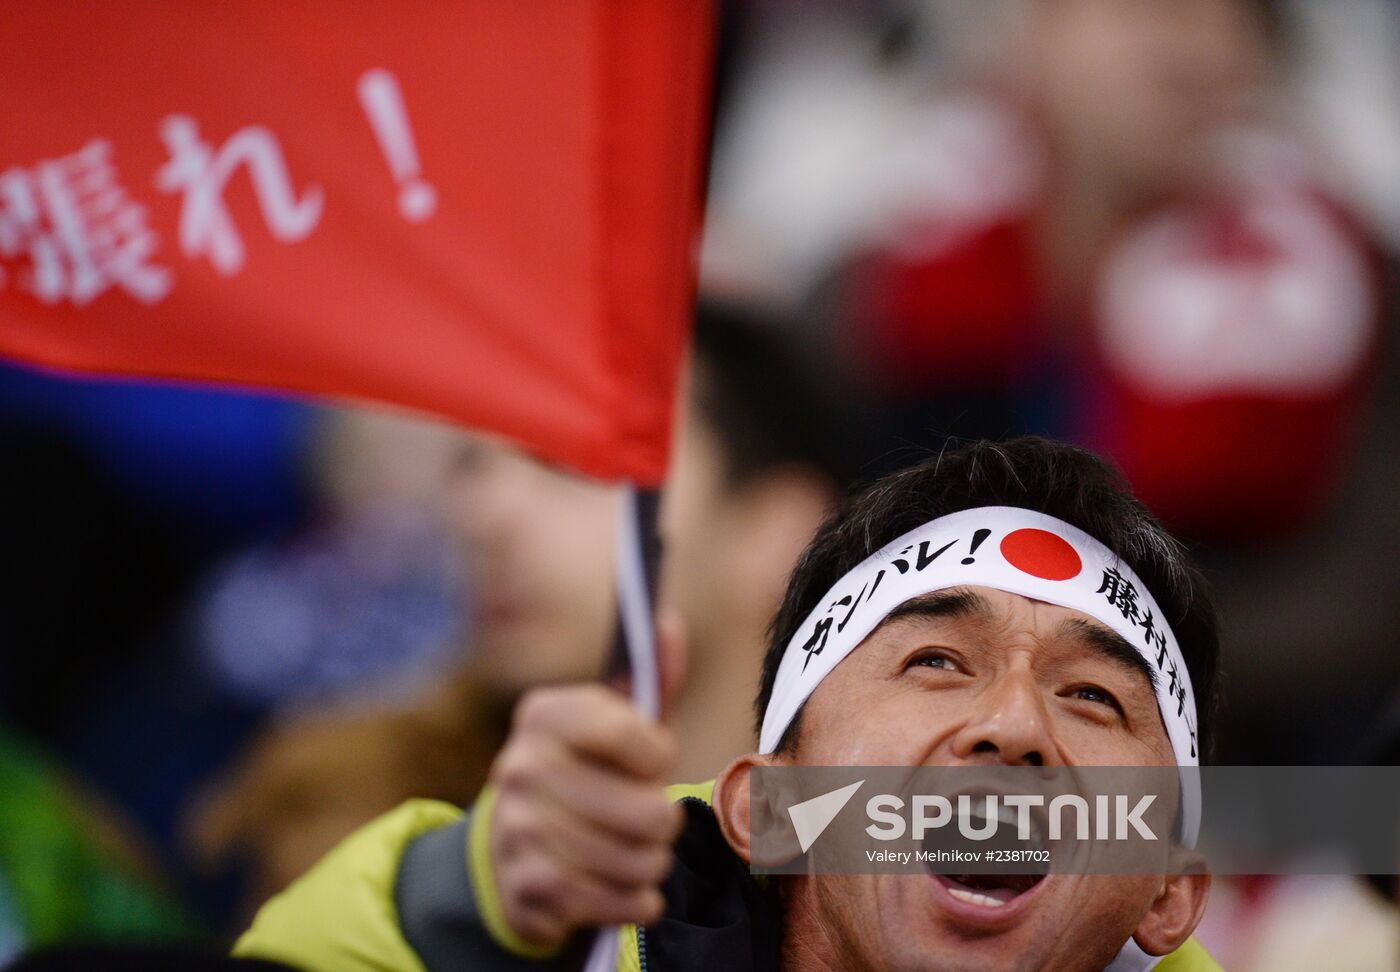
538	545
979	676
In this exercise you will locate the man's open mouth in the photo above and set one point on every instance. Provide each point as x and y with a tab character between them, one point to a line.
988	890
1020	863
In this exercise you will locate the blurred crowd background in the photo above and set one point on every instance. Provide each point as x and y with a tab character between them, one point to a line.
233	626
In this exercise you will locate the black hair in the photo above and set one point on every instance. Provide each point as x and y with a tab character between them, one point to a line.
1034	473
771	404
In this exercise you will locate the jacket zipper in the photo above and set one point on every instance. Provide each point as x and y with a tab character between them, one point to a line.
642	932
641	948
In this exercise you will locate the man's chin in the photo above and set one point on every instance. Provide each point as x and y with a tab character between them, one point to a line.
960	924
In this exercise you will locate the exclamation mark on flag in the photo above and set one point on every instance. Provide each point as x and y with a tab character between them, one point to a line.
383	104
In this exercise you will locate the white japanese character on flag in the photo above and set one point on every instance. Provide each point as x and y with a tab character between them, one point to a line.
195	169
80	231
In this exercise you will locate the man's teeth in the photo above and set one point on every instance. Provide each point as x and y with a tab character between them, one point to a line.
972	897
1010	818
1005	814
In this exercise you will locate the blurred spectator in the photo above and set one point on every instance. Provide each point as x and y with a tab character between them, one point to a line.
1103	230
764	449
539	542
367	596
757	464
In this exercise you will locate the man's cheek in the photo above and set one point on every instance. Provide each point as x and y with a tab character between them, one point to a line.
877	728
1108	908
862	741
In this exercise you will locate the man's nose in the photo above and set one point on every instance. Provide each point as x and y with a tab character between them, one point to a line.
1010	724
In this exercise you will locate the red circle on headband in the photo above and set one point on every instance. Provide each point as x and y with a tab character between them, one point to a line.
1041	553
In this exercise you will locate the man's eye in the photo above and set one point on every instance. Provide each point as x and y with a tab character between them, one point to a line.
1092	693
934	661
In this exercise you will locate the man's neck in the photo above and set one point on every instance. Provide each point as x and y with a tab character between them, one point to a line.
807	944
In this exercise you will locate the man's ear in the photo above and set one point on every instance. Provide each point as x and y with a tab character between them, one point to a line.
754	825
1174	914
731	803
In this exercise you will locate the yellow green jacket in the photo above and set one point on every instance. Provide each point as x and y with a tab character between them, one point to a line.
413	892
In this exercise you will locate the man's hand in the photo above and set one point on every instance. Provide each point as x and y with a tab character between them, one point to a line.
582	831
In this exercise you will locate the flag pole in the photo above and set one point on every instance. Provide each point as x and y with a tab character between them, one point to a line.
638	557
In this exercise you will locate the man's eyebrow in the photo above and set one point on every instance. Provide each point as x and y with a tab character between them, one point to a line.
954	603
1111	646
961	603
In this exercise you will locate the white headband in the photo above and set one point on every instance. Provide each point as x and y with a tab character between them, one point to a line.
1009	549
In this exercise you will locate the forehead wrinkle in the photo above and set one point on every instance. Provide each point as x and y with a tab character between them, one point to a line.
1109	645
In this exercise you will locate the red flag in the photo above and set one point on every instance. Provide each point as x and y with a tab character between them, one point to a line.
482	210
